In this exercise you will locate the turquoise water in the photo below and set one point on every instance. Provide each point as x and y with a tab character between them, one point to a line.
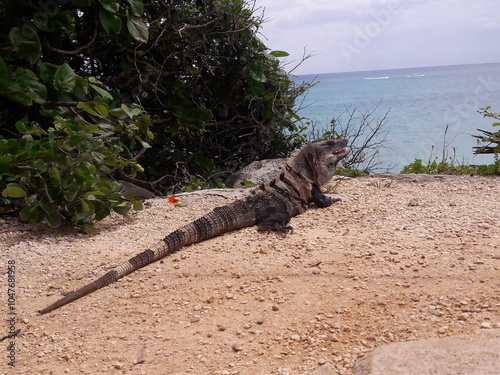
421	101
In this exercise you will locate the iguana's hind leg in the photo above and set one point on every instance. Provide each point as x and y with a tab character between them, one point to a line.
273	219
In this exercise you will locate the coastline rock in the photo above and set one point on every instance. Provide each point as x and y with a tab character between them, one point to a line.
478	354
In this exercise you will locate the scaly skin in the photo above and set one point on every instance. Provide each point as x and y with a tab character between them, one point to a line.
270	206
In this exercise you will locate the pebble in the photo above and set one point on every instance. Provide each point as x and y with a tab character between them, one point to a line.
195	318
237	347
118	365
463	317
443	329
485	325
295	337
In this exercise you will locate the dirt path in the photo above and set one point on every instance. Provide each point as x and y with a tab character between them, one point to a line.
400	259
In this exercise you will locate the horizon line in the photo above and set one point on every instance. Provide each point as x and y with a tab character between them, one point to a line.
386	69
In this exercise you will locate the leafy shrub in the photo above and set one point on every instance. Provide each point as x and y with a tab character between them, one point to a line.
92	88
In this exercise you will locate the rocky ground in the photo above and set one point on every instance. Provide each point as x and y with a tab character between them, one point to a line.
401	258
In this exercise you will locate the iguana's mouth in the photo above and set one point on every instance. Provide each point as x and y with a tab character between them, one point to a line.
341	152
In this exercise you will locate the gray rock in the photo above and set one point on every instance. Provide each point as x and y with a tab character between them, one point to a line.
132	191
326	369
260	171
460	355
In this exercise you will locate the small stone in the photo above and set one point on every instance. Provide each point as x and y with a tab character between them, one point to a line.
237	347
295	337
485	325
118	365
259	321
463	317
247	326
220	327
443	329
415	298
413	202
275	308
195	318
321	361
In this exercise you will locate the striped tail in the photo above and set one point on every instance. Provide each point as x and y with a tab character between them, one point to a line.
221	220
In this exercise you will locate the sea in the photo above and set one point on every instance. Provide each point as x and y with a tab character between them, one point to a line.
430	112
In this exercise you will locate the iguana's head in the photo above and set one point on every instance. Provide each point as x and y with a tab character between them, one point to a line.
317	161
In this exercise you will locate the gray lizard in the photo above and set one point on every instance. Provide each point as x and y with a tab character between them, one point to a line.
270	207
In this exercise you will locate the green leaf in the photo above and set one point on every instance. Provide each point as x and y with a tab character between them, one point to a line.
110	22
95	193
86	107
137	29
87	206
65	78
22	86
54	173
122	208
26	43
5	159
101	108
71	193
279	53
34	214
111	5
21	127
136	7
101	213
131	111
137	205
257	72
14	191
53	219
89	229
103	93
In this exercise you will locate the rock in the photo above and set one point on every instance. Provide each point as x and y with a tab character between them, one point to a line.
237	347
259	171
326	369
118	365
439	356
132	191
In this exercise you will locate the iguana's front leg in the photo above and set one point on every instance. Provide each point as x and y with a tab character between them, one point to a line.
320	199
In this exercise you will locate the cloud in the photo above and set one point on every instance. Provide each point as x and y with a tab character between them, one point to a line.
383	33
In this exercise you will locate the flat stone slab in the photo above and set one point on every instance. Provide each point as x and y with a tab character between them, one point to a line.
460	355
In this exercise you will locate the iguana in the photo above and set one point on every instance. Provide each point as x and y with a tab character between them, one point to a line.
269	206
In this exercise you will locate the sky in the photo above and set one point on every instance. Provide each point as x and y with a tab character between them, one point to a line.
357	35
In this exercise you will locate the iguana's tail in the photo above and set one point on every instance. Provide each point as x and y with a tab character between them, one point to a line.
221	220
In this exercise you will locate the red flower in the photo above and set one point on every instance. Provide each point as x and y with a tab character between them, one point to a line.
172	199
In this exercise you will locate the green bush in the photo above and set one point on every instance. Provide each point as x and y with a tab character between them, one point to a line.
170	93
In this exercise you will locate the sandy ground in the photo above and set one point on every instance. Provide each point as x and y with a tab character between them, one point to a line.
401	258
